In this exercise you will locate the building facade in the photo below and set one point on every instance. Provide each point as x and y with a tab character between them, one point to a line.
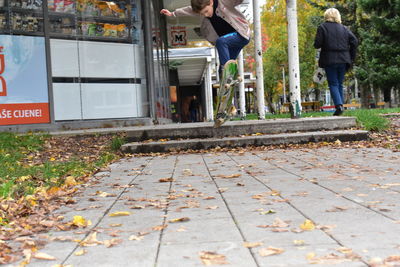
82	63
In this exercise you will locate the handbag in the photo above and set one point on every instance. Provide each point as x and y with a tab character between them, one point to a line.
319	75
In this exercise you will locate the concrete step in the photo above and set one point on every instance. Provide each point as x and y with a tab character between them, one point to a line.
237	128
241	141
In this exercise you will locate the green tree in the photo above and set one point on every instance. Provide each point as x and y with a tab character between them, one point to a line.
274	23
380	50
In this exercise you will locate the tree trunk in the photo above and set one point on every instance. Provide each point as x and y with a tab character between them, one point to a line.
365	93
387	95
270	106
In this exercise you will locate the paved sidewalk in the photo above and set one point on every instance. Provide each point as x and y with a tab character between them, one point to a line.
229	198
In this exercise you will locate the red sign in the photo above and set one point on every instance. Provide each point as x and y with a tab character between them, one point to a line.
178	36
25	113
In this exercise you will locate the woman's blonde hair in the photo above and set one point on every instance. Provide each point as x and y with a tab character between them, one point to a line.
332	15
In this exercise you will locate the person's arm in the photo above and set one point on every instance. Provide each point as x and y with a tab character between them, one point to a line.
319	38
180	12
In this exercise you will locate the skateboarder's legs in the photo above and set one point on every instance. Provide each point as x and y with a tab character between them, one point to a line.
229	47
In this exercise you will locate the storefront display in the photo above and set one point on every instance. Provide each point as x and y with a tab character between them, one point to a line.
115	21
21	17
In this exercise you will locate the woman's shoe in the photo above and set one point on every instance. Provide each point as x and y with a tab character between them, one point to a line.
339	110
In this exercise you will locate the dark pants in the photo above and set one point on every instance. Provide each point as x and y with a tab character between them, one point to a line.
193	115
335	76
229	46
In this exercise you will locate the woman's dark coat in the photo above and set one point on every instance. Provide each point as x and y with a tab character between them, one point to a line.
338	44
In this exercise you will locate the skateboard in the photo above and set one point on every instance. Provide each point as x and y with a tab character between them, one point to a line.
230	79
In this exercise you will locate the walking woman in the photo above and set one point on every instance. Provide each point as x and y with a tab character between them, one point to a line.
338	52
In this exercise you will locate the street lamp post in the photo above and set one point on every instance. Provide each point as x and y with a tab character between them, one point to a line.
284	83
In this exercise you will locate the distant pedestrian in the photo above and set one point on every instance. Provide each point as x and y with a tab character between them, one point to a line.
338	52
194	109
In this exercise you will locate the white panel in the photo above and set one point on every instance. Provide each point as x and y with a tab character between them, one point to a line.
67	101
106	60
64	58
101	101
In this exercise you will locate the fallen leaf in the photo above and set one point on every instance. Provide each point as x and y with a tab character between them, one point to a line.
252	244
165	180
115	224
181	229
270	251
112	242
159	227
212	207
135	237
212	258
307	225
43	256
392	258
267	212
229	176
80	252
120	213
299	242
90	240
80	221
337	209
208	198
70	181
183	219
137	207
344	250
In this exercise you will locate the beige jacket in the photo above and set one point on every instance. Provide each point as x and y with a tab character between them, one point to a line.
227	10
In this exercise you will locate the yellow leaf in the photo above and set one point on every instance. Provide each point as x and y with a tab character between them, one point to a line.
43	256
80	252
70	181
310	255
307	225
120	213
52	159
79	221
24	178
183	219
252	244
53	190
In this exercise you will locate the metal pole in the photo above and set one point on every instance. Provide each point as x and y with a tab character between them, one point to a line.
259	62
148	45
242	101
284	84
293	52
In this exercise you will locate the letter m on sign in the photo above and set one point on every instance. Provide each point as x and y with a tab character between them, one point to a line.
178	36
